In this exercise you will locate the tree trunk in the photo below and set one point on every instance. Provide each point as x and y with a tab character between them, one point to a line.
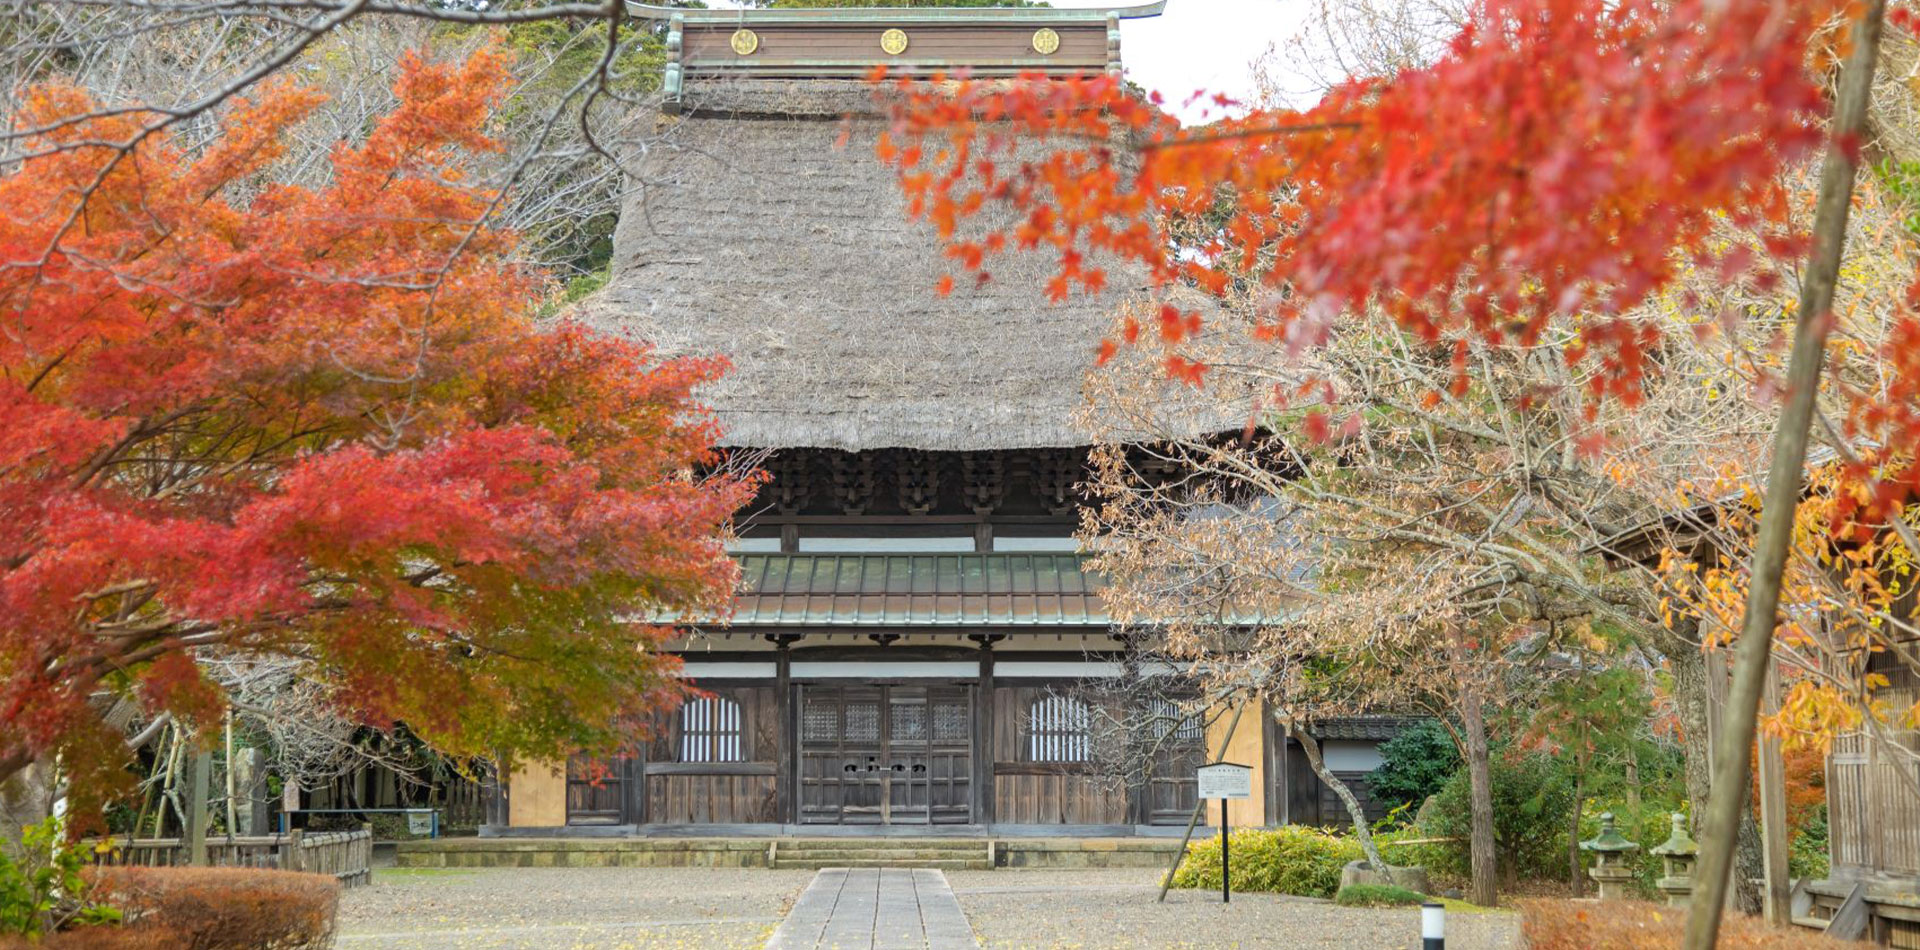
1773	541
1575	880
26	798
1483	889
1633	787
1311	747
1693	706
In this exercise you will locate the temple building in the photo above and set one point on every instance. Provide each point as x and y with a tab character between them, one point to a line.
916	619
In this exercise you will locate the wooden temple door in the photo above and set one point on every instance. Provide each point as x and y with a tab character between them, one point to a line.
886	755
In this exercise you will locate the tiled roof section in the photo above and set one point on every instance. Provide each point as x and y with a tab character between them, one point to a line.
919	590
1365	728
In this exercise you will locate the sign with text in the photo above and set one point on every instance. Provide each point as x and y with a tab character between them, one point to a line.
1225	780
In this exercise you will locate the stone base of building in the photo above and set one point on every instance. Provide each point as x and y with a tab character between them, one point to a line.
951	852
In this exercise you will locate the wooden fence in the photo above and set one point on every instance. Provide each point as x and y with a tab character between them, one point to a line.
347	855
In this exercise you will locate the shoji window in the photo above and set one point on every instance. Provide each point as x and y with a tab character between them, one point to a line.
710	731
1057	728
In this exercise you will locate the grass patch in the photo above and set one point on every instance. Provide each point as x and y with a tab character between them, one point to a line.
1377	895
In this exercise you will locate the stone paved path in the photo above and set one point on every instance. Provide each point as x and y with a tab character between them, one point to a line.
875	909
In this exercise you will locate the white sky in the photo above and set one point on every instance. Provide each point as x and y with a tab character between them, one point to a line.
1206	45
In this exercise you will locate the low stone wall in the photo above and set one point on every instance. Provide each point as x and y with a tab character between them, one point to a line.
1085	852
754	852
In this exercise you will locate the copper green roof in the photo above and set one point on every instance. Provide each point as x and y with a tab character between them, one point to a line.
919	590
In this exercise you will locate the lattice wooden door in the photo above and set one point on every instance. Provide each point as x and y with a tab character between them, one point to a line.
874	755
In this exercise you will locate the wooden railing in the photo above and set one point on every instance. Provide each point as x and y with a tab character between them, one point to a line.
347	855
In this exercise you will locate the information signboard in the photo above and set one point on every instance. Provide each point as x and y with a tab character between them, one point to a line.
1225	780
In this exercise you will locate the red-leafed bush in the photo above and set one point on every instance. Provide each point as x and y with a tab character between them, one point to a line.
207	909
107	937
1637	925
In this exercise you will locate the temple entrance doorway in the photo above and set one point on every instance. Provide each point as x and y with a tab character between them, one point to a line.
886	755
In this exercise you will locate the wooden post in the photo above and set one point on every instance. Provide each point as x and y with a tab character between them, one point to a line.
1226	872
232	787
785	804
290	857
197	808
1773	812
983	707
252	782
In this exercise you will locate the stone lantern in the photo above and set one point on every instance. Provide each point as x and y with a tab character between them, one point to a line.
1676	857
1610	869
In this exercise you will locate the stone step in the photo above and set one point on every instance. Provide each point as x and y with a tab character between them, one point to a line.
943	864
882	855
883	844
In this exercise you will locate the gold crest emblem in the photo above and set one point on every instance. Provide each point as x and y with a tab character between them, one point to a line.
745	42
1045	41
894	42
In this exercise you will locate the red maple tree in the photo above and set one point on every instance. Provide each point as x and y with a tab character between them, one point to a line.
321	422
1563	158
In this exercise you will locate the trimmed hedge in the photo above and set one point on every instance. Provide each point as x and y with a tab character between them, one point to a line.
206	909
1638	925
1291	859
1377	895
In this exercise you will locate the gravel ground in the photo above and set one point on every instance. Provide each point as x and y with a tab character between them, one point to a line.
657	908
567	908
1115	910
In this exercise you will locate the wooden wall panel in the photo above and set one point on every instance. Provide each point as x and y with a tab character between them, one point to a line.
1873	815
1034	793
682	793
710	799
1058	798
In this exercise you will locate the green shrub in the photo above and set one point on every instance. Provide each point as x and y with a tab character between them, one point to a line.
43	890
1532	800
1292	859
1415	765
1807	853
1377	895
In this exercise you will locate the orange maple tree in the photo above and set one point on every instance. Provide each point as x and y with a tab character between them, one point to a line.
321	422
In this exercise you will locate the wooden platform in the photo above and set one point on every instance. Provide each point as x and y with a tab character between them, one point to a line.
876	909
789	852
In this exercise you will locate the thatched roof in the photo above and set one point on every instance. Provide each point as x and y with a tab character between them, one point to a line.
752	233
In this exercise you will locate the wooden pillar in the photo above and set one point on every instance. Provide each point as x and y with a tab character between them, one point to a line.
785	782
495	793
197	792
1139	780
251	784
634	783
982	782
1773	812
